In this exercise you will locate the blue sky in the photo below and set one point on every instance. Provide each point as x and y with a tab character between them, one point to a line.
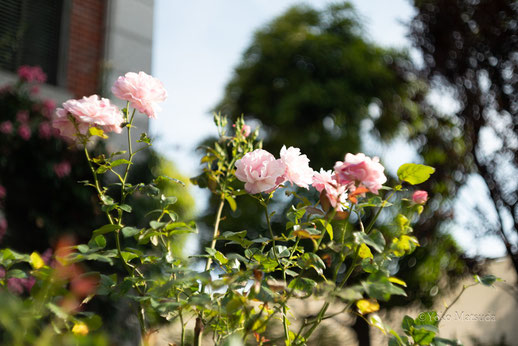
197	44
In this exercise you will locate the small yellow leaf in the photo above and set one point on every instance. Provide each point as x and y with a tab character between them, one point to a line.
36	261
95	131
397	281
80	328
365	252
366	306
305	234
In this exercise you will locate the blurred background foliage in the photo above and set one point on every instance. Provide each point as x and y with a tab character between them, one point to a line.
470	48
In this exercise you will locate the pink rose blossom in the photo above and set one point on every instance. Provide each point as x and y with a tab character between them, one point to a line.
25	132
45	130
361	169
246	130
143	91
35	90
48	107
420	197
22	116
3	227
330	190
62	169
87	112
6	127
260	171
298	171
32	74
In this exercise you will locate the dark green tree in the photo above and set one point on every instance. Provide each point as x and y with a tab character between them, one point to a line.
471	48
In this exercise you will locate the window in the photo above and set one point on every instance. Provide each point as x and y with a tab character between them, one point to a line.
30	35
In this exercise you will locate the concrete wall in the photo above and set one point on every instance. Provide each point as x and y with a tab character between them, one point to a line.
128	47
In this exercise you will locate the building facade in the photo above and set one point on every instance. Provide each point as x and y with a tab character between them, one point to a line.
82	45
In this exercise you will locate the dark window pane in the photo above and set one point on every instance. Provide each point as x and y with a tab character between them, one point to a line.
29	34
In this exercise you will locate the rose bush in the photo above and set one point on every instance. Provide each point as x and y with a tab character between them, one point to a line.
236	298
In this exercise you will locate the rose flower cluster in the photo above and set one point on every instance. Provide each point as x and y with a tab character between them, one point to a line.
142	91
357	174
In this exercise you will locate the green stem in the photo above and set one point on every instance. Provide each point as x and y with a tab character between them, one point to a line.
464	287
284	309
330	217
96	181
215	233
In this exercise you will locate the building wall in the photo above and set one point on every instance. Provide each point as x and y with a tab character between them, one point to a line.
128	48
85	46
101	40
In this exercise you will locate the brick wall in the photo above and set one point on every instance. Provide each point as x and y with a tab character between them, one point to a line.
85	46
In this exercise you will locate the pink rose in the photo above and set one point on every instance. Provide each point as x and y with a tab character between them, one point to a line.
22	116
25	132
48	107
330	190
62	169
246	130
45	130
361	169
6	127
32	74
260	171
298	171
3	227
87	112
420	197
143	91
3	192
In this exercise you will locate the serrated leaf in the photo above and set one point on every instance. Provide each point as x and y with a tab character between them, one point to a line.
414	173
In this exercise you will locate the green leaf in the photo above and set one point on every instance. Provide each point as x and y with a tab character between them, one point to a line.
231	203
156	224
302	284
126	208
120	162
377	244
106	229
130	231
486	280
414	173
329	228
407	324
83	248
16	273
427	318
128	256
220	258
311	260
424	334
100	241
381	288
